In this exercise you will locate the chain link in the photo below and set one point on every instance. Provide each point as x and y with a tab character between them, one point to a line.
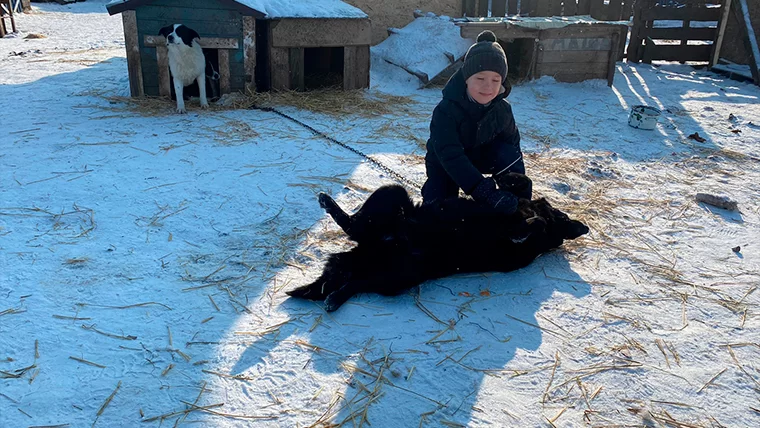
412	185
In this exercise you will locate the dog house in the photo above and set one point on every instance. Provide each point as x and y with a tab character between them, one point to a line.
568	48
251	44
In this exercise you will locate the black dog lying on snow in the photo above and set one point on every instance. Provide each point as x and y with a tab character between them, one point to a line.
401	244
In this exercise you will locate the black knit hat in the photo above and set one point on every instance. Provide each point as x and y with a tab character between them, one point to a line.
485	55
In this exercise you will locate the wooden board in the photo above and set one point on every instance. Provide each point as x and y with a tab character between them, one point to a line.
502	30
356	67
499	8
132	44
512	7
584	7
482	8
205	42
680	33
595	68
296	61
749	38
582	30
279	64
249	51
164	80
676	53
306	33
542	8
574	56
577	44
680	14
224	71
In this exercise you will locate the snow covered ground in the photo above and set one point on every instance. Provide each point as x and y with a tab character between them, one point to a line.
144	257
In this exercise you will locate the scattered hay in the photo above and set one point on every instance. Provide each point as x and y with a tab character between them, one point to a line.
333	102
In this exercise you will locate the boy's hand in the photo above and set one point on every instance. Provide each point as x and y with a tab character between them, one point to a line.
518	184
501	200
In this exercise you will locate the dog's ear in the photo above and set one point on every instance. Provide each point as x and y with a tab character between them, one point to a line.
166	31
187	35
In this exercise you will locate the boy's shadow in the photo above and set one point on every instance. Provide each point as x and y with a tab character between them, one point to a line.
428	352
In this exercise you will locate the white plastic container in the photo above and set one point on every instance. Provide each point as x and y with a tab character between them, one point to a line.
644	117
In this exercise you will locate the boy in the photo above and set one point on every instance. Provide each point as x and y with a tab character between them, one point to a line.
473	132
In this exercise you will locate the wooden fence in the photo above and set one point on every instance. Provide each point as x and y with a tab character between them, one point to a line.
613	10
697	21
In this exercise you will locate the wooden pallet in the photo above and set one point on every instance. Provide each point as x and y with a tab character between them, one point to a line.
6	12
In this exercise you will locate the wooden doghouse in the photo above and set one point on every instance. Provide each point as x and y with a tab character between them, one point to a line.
253	44
570	49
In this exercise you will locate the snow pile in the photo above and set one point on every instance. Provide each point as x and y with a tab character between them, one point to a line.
425	47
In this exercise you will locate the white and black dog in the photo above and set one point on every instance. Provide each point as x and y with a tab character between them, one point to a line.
186	61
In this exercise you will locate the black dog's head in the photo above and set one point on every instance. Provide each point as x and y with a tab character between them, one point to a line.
176	34
557	226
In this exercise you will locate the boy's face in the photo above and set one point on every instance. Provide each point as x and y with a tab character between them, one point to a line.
484	86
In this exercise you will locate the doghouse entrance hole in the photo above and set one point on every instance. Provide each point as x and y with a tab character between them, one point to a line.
519	53
212	79
261	71
323	67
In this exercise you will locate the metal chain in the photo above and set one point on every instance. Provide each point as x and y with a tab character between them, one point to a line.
377	164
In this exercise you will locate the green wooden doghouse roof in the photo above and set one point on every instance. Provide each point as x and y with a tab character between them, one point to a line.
268	9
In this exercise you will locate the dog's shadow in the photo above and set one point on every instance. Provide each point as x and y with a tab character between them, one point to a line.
425	356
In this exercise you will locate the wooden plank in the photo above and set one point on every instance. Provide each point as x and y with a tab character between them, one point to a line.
553	68
356	67
249	51
575	56
750	40
307	32
598	10
555	8
470	7
570	8
679	33
503	31
676	52
614	9
584	7
296	61
627	12
634	45
279	63
568	77
151	41
221	29
612	61
224	70
577	44
600	30
528	7
132	44
482	7
164	79
622	40
542	8
720	33
512	7
499	8
680	14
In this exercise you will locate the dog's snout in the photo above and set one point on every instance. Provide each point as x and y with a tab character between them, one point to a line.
170	39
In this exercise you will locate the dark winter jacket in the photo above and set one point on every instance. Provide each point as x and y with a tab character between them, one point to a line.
464	134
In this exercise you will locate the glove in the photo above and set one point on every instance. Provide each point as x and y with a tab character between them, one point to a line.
500	200
517	184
